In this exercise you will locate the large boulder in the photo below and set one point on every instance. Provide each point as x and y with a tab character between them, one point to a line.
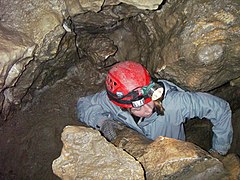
87	155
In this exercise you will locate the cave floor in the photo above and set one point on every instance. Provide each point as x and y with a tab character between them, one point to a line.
31	139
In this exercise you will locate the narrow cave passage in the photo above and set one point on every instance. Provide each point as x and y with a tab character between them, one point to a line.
177	42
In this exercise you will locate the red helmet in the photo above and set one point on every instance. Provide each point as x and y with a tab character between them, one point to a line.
124	83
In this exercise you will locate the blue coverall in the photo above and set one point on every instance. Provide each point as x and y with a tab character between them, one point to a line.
179	106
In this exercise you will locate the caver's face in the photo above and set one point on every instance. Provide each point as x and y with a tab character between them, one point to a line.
144	111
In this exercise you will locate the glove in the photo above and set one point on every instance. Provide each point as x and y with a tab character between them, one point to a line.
109	129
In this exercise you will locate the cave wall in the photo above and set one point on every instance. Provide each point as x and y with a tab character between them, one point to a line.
34	48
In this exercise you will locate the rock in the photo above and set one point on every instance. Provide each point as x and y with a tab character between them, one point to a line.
16	52
33	33
30	34
203	43
235	146
88	155
232	163
235	82
141	4
78	7
98	48
81	6
167	158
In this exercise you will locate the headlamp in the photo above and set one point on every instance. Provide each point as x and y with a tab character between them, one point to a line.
153	90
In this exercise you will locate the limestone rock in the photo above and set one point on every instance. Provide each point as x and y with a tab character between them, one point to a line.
235	147
30	33
232	163
174	157
31	37
76	6
167	158
34	18
16	52
235	82
98	48
141	4
88	155
202	51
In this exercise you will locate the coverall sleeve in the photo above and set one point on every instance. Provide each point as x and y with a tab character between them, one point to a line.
217	110
94	109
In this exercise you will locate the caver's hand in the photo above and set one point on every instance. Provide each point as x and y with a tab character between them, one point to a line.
109	129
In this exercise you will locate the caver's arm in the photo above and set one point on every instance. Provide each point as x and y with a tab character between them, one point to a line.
217	110
94	109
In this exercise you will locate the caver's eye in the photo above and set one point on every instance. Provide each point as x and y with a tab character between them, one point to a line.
134	109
